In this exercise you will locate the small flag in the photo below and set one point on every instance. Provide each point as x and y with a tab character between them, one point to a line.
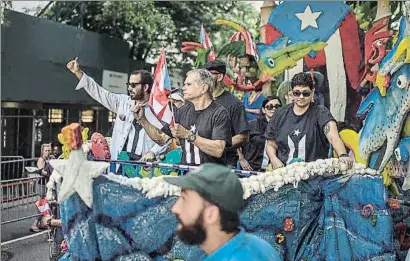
160	90
206	43
43	207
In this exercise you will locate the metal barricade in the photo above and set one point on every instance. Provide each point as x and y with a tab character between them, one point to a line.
18	199
12	167
18	195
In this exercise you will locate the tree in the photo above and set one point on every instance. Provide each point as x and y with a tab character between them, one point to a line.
3	13
366	12
149	25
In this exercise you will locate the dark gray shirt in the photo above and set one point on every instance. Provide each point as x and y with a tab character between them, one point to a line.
300	136
239	121
211	123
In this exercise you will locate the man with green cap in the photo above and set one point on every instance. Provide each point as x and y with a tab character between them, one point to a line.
208	215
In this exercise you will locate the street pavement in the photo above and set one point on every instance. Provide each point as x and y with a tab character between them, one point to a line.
32	249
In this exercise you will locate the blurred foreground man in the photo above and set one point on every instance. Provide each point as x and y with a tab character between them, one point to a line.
208	214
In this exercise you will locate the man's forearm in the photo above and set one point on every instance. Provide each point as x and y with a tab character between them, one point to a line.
271	151
239	140
240	154
338	146
79	74
214	148
333	137
154	133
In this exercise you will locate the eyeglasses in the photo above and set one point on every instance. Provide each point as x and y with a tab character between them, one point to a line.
133	84
298	93
270	107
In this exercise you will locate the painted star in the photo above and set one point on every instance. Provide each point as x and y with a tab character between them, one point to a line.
296	132
308	18
193	128
78	175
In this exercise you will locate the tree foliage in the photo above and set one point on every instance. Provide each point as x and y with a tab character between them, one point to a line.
150	25
366	12
3	12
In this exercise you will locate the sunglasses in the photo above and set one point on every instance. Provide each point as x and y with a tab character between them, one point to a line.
133	84
270	107
298	93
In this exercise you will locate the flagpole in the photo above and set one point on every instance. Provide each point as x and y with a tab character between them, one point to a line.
172	110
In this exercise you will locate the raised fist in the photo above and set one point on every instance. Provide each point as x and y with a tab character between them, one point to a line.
73	65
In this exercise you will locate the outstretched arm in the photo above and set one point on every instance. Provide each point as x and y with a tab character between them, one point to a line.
109	100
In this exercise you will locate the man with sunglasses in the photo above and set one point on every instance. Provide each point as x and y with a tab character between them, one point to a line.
304	129
239	121
128	134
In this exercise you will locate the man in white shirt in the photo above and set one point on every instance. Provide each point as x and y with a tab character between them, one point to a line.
128	135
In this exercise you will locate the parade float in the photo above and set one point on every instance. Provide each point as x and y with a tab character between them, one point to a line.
308	211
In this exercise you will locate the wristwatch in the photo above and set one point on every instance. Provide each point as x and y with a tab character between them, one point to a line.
343	155
191	137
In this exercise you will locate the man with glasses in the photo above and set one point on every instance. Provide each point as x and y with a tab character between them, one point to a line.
304	129
128	135
202	125
239	121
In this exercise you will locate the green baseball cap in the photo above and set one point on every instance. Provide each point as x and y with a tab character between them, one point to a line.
215	183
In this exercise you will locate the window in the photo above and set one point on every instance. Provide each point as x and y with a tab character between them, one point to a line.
87	116
55	115
111	116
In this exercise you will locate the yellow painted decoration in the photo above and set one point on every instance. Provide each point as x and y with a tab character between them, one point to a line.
84	134
403	50
386	173
269	167
351	139
364	25
274	62
394	189
235	26
65	148
405	132
380	84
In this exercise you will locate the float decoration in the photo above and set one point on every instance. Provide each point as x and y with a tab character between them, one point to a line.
375	50
77	172
141	224
281	56
381	138
204	49
66	148
334	23
240	49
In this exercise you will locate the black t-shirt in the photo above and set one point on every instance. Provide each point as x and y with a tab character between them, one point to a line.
211	123
254	149
239	121
300	136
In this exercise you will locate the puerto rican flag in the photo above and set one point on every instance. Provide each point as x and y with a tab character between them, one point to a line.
160	90
43	207
332	22
206	43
